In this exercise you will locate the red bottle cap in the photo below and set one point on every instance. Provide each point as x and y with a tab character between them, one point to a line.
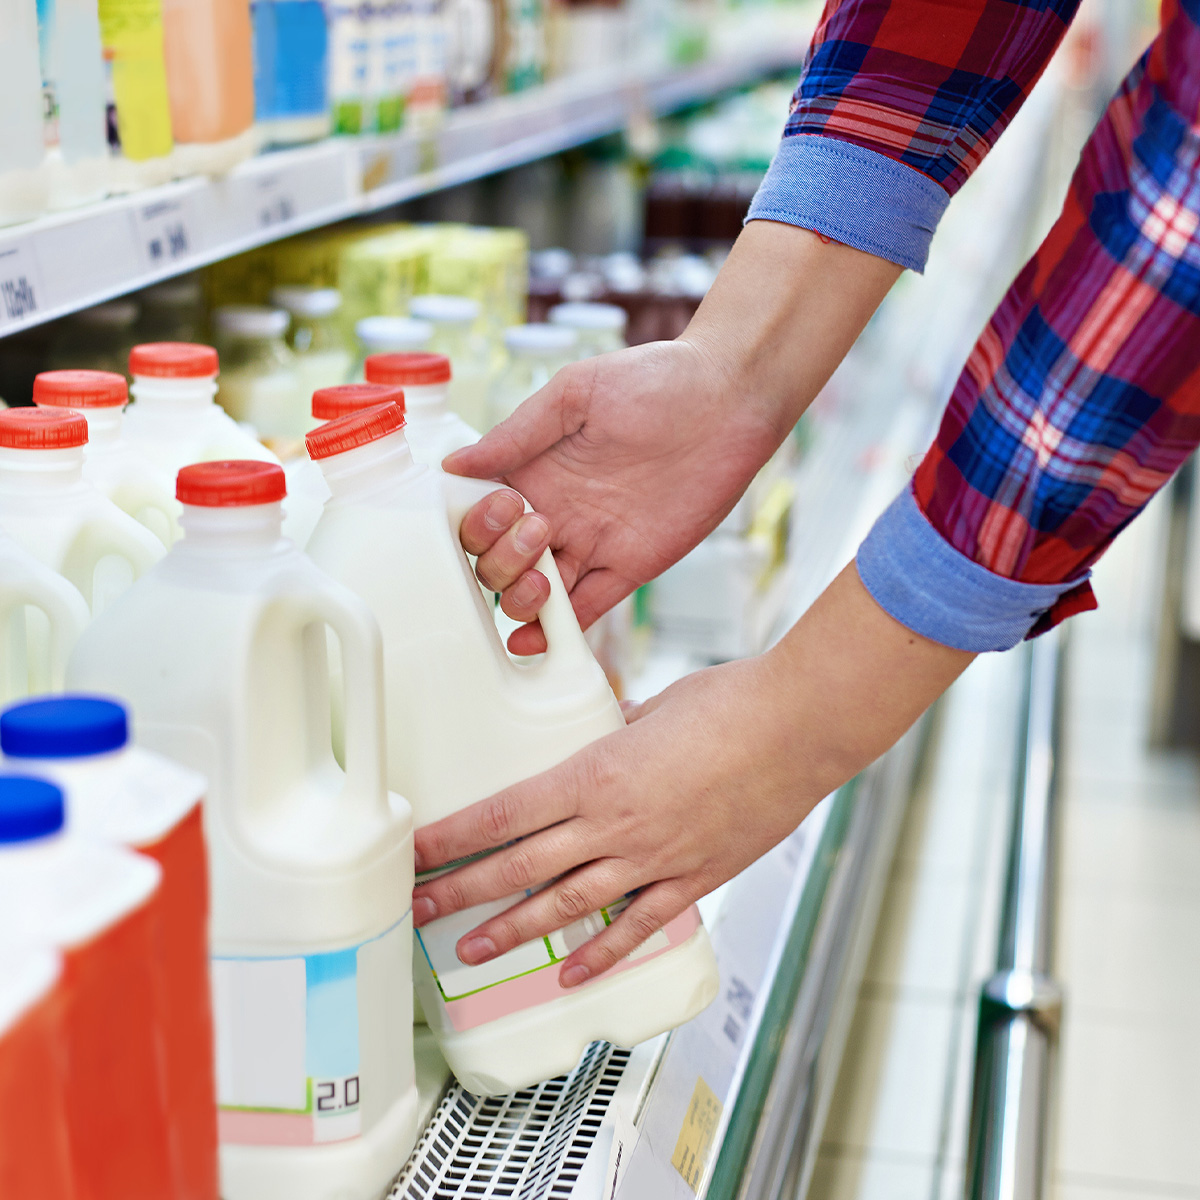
173	360
416	368
42	429
357	429
232	483
332	402
80	389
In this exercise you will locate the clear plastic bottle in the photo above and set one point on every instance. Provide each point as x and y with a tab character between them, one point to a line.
599	327
24	182
455	322
535	353
316	335
291	59
388	335
260	376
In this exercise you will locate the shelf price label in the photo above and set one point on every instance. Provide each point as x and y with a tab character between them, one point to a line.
20	286
166	231
275	201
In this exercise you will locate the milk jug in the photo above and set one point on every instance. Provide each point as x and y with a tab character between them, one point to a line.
174	418
432	430
465	720
92	903
60	518
112	464
307	490
123	794
221	654
41	616
35	1157
388	335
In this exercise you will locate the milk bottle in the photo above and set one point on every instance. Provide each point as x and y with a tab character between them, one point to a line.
123	794
316	337
113	465
174	418
454	320
260	382
221	653
307	490
432	430
35	1157
388	335
93	903
33	651
60	518
465	720
599	327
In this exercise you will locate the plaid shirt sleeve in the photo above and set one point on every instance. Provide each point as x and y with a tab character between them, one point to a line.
898	102
1081	397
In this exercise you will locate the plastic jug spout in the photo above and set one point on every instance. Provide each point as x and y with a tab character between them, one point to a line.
170	397
384	461
252	527
40	470
104	426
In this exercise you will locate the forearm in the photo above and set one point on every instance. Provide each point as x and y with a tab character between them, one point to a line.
784	310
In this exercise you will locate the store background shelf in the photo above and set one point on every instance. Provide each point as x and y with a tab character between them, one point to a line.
62	263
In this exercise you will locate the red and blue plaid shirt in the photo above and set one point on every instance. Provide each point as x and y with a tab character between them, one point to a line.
1082	396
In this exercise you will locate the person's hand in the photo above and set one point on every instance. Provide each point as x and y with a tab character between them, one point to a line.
707	777
632	458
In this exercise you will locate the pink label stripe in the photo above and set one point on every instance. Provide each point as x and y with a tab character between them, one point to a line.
540	987
236	1127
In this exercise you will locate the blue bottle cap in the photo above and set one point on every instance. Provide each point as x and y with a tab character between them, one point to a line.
63	727
29	808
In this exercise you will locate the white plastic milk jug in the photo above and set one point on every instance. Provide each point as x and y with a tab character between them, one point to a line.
41	616
390	532
433	431
122	471
221	654
174	417
307	490
60	518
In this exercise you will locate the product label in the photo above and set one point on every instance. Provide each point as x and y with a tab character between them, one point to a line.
528	975
139	114
291	48
349	63
693	1150
288	1048
45	18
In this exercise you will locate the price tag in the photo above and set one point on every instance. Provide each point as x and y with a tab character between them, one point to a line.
166	231
21	294
274	200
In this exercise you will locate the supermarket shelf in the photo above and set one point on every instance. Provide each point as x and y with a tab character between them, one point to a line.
65	262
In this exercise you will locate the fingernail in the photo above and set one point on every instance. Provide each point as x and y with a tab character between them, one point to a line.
418	862
476	950
531	533
526	593
424	910
574	976
502	512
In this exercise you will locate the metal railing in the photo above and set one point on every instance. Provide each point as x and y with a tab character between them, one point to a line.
1020	1004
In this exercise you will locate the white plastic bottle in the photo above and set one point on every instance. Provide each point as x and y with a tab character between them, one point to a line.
316	338
221	654
307	490
60	518
261	383
125	795
454	320
94	904
599	327
464	721
388	335
34	650
536	352
174	417
433	431
113	465
24	183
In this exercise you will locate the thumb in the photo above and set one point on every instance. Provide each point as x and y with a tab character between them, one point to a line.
536	426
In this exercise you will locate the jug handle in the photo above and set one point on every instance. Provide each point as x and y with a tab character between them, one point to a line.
135	543
565	643
357	631
142	496
64	606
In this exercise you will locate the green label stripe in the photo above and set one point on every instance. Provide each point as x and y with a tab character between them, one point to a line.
294	1112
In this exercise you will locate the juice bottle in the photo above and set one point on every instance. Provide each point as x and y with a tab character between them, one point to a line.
222	657
120	793
306	487
433	431
316	336
291	55
113	465
210	82
260	380
60	518
390	533
174	418
93	903
35	1153
24	182
454	320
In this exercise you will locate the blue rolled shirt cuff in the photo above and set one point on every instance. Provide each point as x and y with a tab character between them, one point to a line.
854	195
916	576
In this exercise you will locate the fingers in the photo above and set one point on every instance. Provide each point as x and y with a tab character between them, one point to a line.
515	812
525	598
488	520
514	553
529	639
647	913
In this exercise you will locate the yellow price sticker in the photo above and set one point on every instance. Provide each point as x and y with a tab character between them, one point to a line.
696	1138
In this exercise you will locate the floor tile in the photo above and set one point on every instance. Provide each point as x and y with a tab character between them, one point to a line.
870	1177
